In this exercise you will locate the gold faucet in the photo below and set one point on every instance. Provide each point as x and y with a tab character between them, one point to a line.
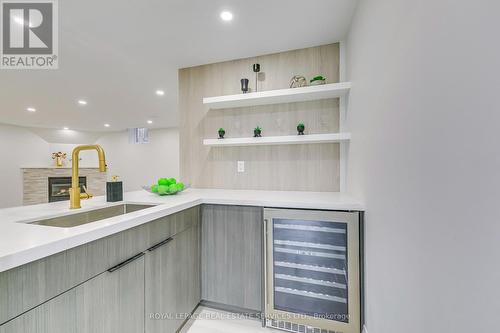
75	194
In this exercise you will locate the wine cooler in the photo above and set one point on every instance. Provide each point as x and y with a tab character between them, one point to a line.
312	271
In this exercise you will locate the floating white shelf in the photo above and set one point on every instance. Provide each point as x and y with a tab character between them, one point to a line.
310	93
280	140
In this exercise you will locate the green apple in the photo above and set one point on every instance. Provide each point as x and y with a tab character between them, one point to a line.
163	181
172	188
162	189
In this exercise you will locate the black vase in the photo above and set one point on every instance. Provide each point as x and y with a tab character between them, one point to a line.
221	134
256	70
114	191
257	133
244	85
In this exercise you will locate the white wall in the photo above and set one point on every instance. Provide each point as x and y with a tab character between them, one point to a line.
66	136
139	165
425	156
18	146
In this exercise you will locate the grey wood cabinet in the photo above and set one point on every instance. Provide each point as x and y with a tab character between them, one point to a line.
160	287
188	292
173	280
218	258
111	302
72	291
232	256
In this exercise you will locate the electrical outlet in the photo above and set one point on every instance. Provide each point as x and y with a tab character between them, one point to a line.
241	166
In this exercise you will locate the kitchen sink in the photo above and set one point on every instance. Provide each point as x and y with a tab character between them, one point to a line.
73	220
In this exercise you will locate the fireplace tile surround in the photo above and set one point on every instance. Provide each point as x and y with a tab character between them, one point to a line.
36	180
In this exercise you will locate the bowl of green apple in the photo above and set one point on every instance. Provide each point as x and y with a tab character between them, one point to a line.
166	186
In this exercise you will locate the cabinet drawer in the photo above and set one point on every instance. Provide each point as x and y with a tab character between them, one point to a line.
110	302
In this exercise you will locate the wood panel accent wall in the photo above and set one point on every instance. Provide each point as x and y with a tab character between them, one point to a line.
311	167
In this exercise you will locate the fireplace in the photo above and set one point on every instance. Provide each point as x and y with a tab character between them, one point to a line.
59	187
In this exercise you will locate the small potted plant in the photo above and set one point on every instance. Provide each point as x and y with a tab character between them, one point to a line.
222	132
257	132
317	80
301	128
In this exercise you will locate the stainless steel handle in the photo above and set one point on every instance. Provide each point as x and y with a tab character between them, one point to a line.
125	263
265	300
160	244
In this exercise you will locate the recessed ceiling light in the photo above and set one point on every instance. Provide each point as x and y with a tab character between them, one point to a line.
226	16
160	92
65	128
107	125
31	109
150	122
82	102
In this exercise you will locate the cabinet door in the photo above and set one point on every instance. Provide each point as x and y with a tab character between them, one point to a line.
161	301
188	292
172	281
110	302
232	255
113	302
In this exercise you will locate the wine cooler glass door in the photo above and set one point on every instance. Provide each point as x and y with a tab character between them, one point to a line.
313	269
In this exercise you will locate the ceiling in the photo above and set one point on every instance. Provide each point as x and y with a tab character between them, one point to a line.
115	54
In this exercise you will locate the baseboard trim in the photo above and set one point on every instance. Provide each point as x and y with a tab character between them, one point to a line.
188	319
251	314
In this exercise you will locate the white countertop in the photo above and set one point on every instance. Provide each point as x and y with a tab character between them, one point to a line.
21	242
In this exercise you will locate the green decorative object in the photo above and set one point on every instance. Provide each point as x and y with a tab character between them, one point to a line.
257	132
222	132
163	182
300	128
163	189
318	80
165	186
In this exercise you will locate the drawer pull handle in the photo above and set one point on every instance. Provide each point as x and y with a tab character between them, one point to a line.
160	244
125	263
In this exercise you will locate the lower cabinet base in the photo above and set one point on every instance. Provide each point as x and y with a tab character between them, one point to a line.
233	309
